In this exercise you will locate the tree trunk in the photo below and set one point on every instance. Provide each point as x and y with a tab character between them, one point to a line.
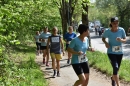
85	20
66	11
63	12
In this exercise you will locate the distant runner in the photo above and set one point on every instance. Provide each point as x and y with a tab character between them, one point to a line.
43	38
56	44
38	44
68	37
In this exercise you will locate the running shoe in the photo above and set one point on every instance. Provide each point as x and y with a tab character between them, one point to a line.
54	74
113	82
43	61
47	64
58	74
68	61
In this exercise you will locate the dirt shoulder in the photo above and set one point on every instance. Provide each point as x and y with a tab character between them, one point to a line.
68	76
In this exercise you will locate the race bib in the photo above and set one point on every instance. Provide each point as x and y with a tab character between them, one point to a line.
46	40
55	39
116	48
82	58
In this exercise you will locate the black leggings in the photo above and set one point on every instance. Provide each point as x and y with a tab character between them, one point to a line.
38	45
115	60
81	68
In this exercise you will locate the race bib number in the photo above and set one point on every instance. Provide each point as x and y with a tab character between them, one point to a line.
116	48
55	39
82	58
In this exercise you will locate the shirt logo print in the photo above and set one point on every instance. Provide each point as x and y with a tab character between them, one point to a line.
55	39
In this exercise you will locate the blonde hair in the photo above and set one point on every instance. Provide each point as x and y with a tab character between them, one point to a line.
70	27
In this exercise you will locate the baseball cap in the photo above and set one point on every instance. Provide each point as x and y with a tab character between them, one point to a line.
114	19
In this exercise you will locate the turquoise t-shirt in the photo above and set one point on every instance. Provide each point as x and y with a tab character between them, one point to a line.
45	37
115	46
77	45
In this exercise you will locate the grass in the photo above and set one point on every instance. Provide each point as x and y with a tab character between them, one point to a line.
21	69
101	62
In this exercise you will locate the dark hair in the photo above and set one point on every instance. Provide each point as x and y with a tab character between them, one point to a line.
82	28
110	25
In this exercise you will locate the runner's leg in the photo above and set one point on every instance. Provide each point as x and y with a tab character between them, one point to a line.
115	64
80	81
53	64
85	68
58	57
44	55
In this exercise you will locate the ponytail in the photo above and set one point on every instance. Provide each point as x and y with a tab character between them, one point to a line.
110	25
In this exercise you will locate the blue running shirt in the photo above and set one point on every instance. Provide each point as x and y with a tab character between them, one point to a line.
115	46
77	45
69	36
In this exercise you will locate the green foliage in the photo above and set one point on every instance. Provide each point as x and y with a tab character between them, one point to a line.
100	61
20	68
105	9
18	21
24	17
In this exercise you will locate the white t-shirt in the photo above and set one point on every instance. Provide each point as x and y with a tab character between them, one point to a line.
45	37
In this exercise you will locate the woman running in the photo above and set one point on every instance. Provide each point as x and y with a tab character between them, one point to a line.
116	36
38	44
56	44
79	61
68	37
43	38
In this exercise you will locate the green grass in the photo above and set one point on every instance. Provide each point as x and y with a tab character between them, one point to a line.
101	62
21	69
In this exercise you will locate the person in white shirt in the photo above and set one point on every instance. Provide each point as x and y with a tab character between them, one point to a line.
38	44
43	38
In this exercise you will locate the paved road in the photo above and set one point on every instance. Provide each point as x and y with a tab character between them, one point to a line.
99	45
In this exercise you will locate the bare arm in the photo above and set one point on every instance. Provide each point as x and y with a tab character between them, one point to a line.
106	44
48	47
104	40
123	40
62	44
72	51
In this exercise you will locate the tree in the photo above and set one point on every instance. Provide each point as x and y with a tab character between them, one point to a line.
85	5
66	9
119	8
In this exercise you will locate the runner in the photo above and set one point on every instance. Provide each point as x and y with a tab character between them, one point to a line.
56	43
79	61
116	36
68	37
43	38
38	44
